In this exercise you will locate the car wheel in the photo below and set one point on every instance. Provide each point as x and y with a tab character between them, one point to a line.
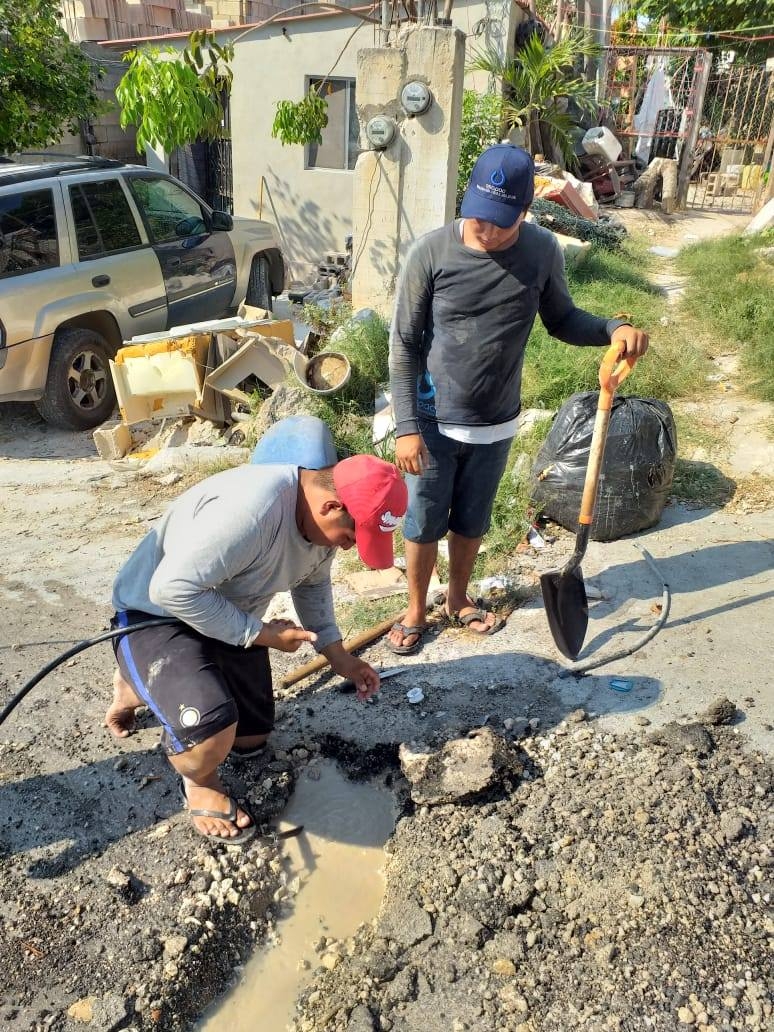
259	284
79	388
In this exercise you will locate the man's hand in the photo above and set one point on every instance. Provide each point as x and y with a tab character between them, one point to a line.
411	454
283	635
633	342
360	673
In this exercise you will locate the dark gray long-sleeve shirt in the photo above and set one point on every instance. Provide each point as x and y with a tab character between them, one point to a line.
222	551
462	319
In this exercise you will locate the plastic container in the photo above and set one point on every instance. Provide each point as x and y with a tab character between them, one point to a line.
600	140
325	373
299	440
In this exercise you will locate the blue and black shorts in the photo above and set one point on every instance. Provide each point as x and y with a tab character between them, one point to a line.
195	686
457	490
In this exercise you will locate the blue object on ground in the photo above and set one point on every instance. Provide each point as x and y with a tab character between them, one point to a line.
297	440
618	684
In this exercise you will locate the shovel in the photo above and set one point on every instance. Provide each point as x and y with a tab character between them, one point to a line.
564	593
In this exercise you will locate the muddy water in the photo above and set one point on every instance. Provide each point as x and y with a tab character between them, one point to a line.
338	860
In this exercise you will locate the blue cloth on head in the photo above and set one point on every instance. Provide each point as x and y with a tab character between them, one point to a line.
298	441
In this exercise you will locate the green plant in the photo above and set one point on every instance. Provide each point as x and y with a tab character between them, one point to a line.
172	97
512	505
46	82
349	413
606	284
535	83
481	126
301	121
729	289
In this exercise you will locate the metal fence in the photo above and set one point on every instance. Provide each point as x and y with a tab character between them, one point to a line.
715	117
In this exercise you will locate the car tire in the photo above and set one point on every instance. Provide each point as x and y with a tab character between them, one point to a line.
259	284
79	388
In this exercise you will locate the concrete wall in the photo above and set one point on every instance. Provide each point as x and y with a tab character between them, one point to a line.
312	207
408	189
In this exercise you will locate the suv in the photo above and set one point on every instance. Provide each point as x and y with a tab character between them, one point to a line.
94	252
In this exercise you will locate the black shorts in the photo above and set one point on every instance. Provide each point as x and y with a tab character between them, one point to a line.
196	686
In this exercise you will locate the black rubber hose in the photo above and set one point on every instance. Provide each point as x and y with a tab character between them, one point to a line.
80	647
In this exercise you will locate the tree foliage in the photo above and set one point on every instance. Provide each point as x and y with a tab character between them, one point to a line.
301	121
46	83
536	84
690	19
482	120
174	98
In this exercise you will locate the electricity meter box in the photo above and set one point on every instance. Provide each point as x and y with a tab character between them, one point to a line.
380	131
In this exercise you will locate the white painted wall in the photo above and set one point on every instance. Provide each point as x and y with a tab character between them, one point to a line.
312	207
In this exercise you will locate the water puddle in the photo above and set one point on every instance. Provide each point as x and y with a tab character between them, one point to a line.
339	860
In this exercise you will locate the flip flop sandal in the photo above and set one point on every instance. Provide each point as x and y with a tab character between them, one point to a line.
407	631
476	616
245	834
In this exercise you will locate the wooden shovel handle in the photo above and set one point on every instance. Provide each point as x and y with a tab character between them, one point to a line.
612	372
364	638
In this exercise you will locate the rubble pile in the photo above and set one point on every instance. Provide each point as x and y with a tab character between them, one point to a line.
622	883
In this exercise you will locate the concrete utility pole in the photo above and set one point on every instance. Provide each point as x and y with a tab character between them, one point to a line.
409	186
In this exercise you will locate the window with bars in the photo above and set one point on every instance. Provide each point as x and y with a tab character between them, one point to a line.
339	147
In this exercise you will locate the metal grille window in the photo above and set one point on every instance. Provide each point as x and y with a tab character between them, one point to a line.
339	148
27	233
103	219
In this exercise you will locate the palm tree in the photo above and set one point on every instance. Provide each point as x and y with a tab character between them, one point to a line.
536	82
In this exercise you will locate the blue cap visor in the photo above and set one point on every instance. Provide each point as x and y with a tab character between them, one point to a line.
475	206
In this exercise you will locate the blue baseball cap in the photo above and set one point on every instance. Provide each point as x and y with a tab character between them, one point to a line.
501	187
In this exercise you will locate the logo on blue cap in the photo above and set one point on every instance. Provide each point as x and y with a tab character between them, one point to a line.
497	178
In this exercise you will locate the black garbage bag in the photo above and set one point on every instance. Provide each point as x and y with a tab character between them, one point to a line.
637	469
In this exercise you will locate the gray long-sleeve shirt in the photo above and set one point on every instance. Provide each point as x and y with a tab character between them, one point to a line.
221	552
462	319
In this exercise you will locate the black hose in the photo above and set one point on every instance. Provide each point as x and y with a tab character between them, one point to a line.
80	647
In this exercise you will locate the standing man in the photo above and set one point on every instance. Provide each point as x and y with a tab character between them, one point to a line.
467	299
214	562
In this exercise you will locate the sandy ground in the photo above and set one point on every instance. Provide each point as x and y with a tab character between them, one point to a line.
114	913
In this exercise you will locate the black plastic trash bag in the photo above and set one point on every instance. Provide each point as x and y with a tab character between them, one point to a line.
636	472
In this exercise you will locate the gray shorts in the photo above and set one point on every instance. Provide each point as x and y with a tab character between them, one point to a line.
195	686
457	490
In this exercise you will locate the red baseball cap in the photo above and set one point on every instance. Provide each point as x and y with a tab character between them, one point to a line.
375	496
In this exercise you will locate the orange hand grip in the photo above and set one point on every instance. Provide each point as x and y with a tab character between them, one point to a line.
612	373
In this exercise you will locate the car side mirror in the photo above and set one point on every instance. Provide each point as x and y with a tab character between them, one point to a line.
221	220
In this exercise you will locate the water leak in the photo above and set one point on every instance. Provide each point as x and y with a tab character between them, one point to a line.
338	859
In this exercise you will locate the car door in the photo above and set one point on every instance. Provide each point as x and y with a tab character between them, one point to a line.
197	262
115	266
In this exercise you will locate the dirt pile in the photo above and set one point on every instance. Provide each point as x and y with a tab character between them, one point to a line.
623	883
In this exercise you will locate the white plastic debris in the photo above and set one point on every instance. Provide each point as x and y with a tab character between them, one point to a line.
415	695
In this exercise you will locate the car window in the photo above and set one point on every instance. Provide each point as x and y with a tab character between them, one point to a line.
27	233
103	219
169	211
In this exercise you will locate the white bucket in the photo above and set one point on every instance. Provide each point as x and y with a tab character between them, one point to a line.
600	140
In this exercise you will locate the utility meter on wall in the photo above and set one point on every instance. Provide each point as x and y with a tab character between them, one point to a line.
415	98
380	131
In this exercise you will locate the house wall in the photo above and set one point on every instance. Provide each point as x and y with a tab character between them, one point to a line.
313	207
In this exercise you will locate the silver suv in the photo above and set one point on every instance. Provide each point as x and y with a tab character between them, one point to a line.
93	252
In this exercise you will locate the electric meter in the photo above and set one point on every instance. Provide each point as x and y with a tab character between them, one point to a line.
415	98
380	131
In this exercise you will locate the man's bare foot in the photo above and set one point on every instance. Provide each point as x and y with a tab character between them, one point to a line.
466	610
119	719
214	797
406	635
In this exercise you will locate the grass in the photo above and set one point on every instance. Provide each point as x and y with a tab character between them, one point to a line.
611	283
349	413
730	291
512	505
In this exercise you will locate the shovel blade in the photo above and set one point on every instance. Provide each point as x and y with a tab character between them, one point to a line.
567	609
